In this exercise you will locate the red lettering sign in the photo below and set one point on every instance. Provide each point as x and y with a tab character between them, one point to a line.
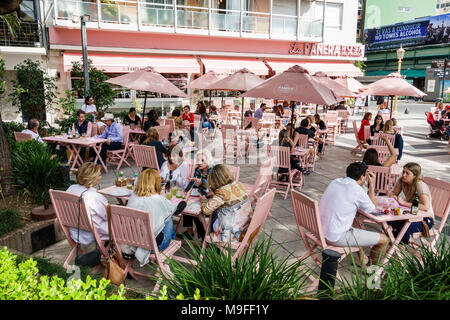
322	49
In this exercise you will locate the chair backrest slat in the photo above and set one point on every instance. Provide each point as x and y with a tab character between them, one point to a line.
163	132
281	156
383	152
263	179
382	178
440	197
234	170
20	136
303	141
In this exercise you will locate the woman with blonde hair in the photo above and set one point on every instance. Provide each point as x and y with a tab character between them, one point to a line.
146	197
398	143
152	139
404	192
203	161
229	205
89	176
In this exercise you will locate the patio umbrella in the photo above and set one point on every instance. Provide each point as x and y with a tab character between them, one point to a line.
392	85
294	84
204	81
241	80
337	88
147	80
350	83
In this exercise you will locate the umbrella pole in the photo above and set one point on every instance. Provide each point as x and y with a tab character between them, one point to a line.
392	104
222	100
143	111
210	98
242	114
317	106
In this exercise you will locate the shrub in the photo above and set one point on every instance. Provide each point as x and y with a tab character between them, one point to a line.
21	282
10	220
258	274
37	169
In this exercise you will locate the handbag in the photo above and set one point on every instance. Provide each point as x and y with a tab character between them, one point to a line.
90	259
114	266
425	229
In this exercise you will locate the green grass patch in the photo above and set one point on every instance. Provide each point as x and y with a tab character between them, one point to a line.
10	220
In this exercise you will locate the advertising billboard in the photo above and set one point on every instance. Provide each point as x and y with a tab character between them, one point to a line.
430	30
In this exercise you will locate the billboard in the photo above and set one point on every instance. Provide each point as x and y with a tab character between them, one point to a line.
430	30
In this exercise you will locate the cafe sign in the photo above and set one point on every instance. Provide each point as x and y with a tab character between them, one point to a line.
327	50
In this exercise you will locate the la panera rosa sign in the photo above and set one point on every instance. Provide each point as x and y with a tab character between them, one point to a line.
326	50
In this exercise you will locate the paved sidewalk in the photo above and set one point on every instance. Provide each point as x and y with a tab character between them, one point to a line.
432	155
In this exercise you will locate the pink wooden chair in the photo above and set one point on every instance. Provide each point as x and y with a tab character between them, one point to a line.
163	132
20	137
120	156
440	201
94	130
355	131
171	124
145	157
234	170
383	152
332	127
161	122
308	161
344	115
366	133
383	181
196	121
66	209
257	221
283	161
229	138
224	116
262	181
134	228
385	116
377	141
307	217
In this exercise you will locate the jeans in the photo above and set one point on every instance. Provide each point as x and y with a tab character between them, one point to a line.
413	228
105	148
169	234
320	147
207	124
187	222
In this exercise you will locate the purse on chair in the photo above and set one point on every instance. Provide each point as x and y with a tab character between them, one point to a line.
114	266
90	259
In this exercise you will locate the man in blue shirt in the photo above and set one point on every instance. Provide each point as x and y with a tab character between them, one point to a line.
113	133
259	113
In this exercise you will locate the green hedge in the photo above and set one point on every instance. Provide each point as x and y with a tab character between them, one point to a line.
10	220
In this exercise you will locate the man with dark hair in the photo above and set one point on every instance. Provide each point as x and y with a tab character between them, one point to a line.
259	113
32	129
338	207
341	106
305	128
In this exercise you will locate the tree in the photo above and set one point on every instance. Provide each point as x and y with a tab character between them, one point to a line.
5	154
34	91
99	90
9	13
361	65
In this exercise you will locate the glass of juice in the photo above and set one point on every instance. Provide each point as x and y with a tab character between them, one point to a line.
169	196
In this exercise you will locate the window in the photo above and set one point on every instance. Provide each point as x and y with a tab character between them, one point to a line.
334	15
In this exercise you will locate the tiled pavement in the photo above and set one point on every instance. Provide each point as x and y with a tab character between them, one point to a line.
431	154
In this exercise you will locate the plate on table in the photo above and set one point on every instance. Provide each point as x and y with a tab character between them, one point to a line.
120	192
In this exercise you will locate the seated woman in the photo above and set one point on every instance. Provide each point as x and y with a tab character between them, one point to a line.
89	176
319	122
147	197
285	141
152	139
132	118
377	126
152	120
175	171
204	117
229	206
365	122
213	112
204	161
404	192
371	155
398	143
176	115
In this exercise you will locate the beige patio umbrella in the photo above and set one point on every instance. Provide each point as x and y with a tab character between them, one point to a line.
204	81
336	87
392	85
294	84
350	83
241	80
147	80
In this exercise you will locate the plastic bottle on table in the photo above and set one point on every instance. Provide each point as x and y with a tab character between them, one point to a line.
135	179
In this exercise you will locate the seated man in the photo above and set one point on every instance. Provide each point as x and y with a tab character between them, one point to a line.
305	128
32	129
338	207
341	106
114	133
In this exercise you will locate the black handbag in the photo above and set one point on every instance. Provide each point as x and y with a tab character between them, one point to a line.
90	259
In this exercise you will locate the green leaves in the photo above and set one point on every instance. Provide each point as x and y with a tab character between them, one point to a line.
21	282
10	220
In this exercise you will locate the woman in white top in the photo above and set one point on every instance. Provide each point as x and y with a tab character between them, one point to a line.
404	192
147	197
88	176
89	107
175	170
101	126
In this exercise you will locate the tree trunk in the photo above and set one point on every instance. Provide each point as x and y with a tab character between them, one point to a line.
6	181
9	6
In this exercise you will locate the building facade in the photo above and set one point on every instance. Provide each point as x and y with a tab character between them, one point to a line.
183	39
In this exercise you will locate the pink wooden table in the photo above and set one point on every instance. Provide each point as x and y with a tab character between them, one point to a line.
75	145
388	203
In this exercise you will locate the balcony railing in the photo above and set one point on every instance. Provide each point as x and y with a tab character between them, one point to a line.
27	36
140	13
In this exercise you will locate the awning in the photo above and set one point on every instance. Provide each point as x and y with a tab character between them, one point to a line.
229	66
329	68
128	63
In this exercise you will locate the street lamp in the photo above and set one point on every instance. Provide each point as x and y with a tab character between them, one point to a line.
76	19
400	55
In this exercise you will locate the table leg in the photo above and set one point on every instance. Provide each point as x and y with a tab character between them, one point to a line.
395	241
97	149
75	151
